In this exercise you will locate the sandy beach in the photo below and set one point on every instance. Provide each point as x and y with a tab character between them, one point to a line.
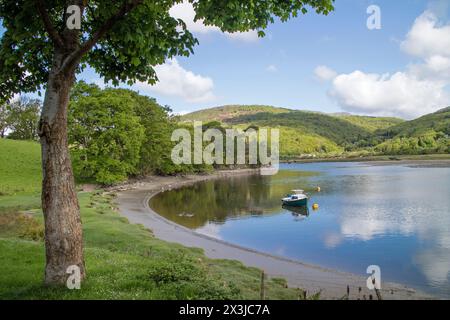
133	199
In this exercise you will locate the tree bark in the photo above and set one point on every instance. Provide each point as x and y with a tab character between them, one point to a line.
63	230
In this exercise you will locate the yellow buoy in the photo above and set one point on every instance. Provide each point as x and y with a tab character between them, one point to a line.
315	206
318	189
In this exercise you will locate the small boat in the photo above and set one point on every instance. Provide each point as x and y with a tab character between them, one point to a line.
297	199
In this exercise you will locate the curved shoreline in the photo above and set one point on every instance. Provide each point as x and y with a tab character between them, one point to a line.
133	202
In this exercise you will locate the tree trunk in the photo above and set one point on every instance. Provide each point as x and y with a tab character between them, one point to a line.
63	230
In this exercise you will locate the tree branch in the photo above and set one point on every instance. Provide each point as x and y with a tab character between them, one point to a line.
54	35
76	56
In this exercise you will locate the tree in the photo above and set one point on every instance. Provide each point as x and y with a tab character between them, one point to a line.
157	145
23	118
103	130
121	40
105	135
4	115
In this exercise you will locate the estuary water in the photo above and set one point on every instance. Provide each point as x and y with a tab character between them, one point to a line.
394	216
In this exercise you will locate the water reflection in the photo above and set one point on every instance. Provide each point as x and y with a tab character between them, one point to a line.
220	200
393	216
299	212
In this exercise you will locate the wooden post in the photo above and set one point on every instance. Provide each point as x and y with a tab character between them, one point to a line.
377	291
378	294
299	293
262	289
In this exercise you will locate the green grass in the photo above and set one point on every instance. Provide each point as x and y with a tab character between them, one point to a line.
20	173
20	166
123	260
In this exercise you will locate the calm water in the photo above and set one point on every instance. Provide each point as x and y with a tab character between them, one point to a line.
393	216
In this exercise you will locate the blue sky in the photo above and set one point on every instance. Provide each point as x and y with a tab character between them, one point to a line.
340	41
279	69
401	70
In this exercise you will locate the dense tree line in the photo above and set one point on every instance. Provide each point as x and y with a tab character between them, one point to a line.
426	143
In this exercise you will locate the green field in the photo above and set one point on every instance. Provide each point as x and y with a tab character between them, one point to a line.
20	173
123	261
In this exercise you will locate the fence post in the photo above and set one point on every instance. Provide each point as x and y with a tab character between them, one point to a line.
376	290
262	290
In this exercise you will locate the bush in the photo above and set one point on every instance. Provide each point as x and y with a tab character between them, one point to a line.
185	277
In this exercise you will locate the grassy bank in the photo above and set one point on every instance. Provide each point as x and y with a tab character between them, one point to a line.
20	174
123	261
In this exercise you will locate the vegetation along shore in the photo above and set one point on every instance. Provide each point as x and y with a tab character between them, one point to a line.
133	261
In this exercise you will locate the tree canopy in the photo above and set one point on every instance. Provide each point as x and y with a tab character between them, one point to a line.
105	135
23	117
121	40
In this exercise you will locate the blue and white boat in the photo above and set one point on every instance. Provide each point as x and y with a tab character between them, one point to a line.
297	199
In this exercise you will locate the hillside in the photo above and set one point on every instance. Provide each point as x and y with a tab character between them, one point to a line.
427	134
231	112
20	173
372	123
438	121
20	166
334	129
226	113
305	133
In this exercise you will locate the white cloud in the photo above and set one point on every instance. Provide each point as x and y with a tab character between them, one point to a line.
427	38
174	80
272	68
400	94
185	11
420	89
249	36
435	68
15	98
323	73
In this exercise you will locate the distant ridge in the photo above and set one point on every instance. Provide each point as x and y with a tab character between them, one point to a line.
443	110
438	121
306	133
227	112
238	113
